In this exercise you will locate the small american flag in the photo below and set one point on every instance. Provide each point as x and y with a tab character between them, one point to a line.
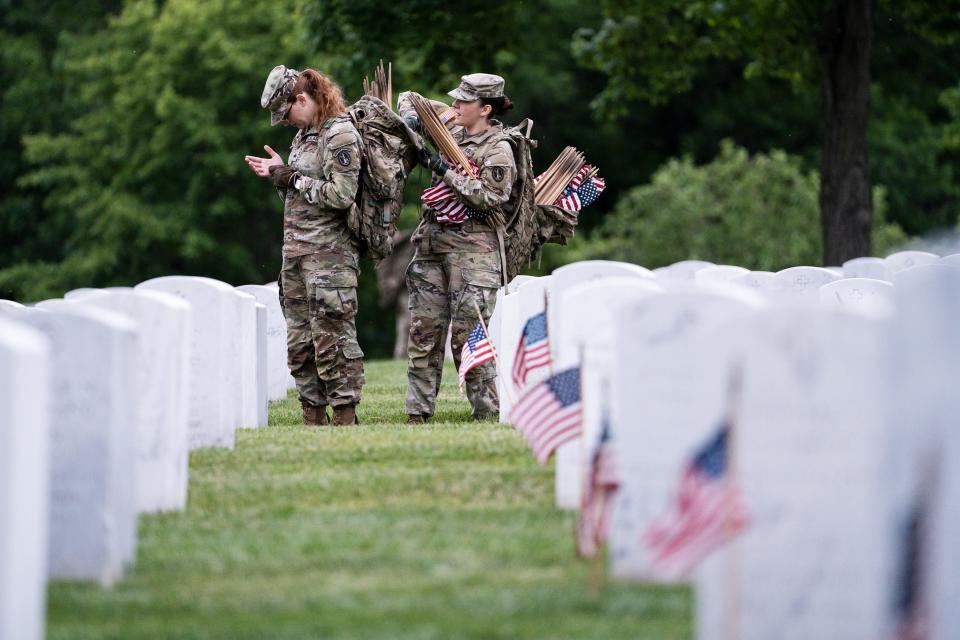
445	203
533	350
476	350
708	512
549	414
576	198
603	480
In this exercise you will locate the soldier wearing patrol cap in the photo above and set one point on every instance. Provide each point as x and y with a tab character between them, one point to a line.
321	258
457	268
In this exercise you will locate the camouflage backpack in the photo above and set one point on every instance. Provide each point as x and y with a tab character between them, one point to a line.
388	156
529	226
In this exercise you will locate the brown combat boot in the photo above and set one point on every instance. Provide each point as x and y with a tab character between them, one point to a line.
314	416
415	419
345	415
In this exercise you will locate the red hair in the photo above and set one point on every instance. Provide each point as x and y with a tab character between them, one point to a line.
321	90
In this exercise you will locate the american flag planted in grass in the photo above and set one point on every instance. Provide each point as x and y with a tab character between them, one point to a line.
533	350
549	414
708	511
603	480
476	350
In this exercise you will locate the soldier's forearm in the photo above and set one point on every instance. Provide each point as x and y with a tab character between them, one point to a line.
474	192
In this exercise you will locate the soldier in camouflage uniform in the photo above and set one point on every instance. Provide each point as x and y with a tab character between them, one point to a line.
457	268
321	258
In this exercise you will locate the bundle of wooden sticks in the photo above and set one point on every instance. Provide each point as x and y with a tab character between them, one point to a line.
439	134
552	182
382	85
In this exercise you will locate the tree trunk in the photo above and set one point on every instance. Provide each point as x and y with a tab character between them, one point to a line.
846	200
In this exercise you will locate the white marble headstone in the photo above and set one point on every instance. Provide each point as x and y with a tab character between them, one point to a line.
810	450
517	309
505	342
901	260
719	273
504	333
514	284
213	393
577	273
164	322
801	285
875	268
925	425
858	294
247	312
25	392
93	472
683	270
586	337
262	400
277	372
760	282
10	308
953	259
667	396
77	294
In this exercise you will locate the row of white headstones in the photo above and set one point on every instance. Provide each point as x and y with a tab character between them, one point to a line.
845	427
102	395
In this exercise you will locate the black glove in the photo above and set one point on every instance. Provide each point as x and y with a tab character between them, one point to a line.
413	122
281	174
432	160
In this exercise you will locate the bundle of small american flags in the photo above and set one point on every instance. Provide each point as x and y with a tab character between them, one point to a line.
583	190
445	203
709	511
476	350
549	414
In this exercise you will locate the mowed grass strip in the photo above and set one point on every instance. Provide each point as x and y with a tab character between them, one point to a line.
385	530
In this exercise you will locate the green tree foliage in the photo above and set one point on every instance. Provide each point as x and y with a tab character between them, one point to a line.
32	99
143	174
759	212
651	50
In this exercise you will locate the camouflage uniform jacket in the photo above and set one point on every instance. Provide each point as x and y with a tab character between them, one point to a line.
495	187
315	214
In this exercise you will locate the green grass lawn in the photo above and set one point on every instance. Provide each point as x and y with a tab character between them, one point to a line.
380	531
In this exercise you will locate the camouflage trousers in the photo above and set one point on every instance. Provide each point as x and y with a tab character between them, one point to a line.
446	289
320	306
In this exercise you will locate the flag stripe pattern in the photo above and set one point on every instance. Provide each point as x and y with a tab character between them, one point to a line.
476	350
603	481
533	350
445	203
549	413
580	192
709	511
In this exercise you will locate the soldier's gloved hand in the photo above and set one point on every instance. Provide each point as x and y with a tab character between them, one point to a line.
432	160
413	122
281	175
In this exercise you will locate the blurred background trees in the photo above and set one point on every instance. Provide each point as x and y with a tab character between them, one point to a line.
123	126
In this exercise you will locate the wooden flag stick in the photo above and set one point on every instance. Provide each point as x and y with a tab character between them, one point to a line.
734	396
493	350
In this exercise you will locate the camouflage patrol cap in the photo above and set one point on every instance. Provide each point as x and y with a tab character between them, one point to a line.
276	92
478	85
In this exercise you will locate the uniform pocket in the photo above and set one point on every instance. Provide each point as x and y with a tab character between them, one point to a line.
481	278
334	279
